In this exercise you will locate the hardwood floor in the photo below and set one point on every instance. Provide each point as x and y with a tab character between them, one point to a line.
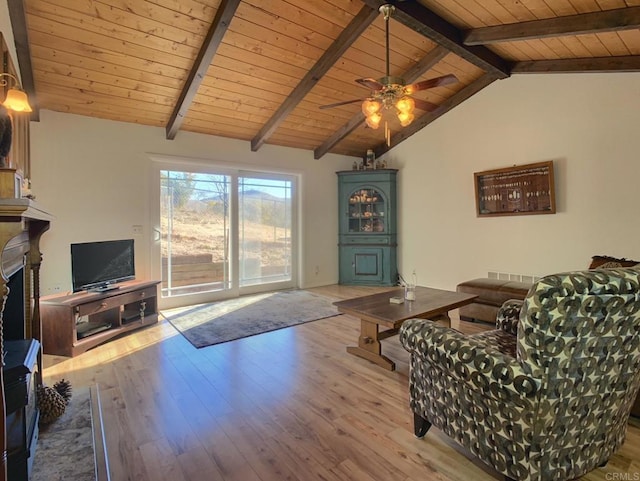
286	405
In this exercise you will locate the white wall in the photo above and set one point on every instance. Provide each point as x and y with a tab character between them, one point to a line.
588	124
94	176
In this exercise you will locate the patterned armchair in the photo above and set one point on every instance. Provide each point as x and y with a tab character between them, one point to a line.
547	394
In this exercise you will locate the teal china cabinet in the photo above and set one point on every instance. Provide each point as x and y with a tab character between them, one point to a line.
368	227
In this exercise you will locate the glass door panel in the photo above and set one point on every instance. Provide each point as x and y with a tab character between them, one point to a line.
195	232
265	227
366	211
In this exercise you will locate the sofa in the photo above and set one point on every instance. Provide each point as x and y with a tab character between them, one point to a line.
492	293
547	394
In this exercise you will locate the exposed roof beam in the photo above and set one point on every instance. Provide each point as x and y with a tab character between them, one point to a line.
21	39
429	117
226	11
424	65
629	63
419	18
594	22
358	24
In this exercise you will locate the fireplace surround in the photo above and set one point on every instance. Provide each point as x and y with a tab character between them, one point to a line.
20	372
22	223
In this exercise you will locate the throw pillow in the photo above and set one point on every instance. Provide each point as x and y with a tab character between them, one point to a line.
607	262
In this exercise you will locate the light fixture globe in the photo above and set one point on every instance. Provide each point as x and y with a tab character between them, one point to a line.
405	104
405	118
371	106
373	120
17	101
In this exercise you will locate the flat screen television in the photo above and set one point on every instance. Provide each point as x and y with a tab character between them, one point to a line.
100	265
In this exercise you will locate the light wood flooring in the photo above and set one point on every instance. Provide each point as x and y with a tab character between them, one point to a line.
286	405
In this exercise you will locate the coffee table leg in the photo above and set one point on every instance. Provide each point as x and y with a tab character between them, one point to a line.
369	347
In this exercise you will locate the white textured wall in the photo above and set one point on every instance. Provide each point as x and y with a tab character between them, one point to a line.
94	176
588	124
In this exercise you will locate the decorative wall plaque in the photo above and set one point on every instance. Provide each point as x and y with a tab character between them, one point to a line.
518	190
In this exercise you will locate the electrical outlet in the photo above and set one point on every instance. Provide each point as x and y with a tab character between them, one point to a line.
137	230
317	270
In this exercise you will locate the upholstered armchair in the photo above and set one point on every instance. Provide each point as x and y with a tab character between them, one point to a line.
547	394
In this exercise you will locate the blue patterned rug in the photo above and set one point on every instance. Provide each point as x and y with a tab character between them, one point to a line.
218	322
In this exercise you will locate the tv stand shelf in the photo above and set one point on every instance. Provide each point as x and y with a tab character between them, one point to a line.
75	323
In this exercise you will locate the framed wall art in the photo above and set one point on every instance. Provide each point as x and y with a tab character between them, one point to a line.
518	190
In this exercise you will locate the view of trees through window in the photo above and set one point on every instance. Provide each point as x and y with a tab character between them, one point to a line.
196	231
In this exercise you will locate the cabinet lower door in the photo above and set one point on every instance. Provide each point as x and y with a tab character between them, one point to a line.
362	265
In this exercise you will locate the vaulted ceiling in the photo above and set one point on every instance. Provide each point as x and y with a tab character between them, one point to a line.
258	70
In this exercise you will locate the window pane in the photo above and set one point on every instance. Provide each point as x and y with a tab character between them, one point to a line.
265	230
194	232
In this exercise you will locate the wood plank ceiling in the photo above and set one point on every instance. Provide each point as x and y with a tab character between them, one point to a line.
258	70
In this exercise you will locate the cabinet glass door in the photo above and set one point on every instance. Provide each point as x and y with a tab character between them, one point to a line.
366	211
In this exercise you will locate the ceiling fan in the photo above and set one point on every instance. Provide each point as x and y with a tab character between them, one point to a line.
391	92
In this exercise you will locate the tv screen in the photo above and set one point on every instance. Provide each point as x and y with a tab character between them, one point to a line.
98	265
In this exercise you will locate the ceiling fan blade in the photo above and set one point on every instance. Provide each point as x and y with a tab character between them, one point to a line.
370	83
431	83
424	105
338	104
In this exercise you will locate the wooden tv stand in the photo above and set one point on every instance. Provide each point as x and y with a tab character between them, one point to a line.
75	323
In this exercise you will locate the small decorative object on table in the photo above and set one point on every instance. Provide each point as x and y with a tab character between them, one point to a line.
410	288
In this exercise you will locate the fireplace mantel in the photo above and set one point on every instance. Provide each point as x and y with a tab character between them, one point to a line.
22	223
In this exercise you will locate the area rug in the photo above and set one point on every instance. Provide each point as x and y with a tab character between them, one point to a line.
65	447
215	323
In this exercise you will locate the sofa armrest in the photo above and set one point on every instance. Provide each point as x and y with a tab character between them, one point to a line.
509	315
467	359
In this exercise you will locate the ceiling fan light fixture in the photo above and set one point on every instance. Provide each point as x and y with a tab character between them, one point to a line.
391	93
405	118
406	104
370	107
373	120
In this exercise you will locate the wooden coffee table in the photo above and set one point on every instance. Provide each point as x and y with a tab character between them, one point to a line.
376	310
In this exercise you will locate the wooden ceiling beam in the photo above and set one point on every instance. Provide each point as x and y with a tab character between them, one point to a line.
424	65
224	15
584	23
23	52
628	63
419	18
358	24
443	108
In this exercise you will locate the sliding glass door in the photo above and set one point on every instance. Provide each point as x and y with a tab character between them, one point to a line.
223	233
